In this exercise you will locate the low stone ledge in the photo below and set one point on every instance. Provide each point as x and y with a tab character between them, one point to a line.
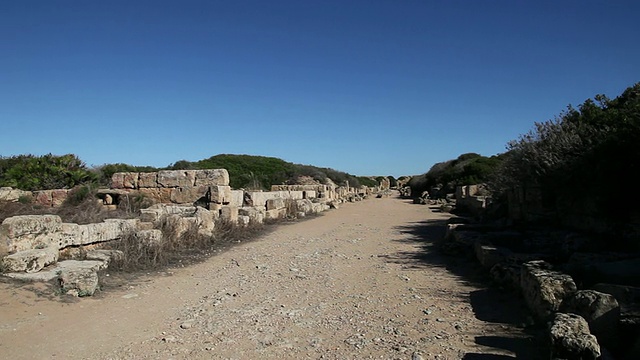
30	261
543	288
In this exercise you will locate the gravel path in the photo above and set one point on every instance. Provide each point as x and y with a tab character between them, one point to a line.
363	281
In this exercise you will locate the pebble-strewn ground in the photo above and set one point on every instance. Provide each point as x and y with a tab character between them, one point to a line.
364	281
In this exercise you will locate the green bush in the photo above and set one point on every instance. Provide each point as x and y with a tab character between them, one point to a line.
30	172
584	158
467	169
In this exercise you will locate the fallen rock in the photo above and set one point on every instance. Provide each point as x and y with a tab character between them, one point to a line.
543	288
571	339
30	261
600	310
81	276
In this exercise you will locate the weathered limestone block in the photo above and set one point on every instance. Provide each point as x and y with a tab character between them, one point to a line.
221	194
489	255
80	277
304	205
124	180
571	339
176	178
259	198
275	214
309	194
274	204
544	289
243	220
30	261
506	274
212	177
110	229
254	214
293	195
43	197
154	236
157	211
237	198
148	180
229	213
12	195
161	195
27	232
600	310
188	194
205	220
106	256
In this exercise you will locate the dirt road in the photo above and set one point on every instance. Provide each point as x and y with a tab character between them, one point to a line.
362	281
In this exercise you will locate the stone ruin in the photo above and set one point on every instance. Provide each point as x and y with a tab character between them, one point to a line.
590	301
188	197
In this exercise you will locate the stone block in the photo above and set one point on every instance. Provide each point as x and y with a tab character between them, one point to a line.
489	255
221	194
13	195
275	214
188	194
27	232
543	288
117	180
148	180
58	197
43	197
229	213
600	310
205	220
274	204
30	261
571	339
161	195
212	177
154	236
176	178
130	180
304	205
255	214
244	220
237	198
309	194
106	256
80	277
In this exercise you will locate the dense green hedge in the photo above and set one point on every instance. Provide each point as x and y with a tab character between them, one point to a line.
467	169
31	172
586	157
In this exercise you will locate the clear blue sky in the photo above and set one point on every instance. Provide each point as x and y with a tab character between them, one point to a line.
367	87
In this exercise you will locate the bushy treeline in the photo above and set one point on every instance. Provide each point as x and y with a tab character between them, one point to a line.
443	177
260	172
583	163
585	159
31	172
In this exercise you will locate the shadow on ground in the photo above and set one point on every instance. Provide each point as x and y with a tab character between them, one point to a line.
503	309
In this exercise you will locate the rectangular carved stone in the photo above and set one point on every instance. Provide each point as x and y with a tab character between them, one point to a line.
176	178
273	204
148	180
544	289
237	198
221	194
212	177
27	232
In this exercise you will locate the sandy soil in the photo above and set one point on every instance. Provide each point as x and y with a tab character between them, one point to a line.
363	281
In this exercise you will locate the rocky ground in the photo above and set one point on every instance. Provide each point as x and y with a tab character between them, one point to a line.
363	281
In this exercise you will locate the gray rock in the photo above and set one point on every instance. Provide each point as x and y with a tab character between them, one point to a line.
600	310
544	289
30	261
571	339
